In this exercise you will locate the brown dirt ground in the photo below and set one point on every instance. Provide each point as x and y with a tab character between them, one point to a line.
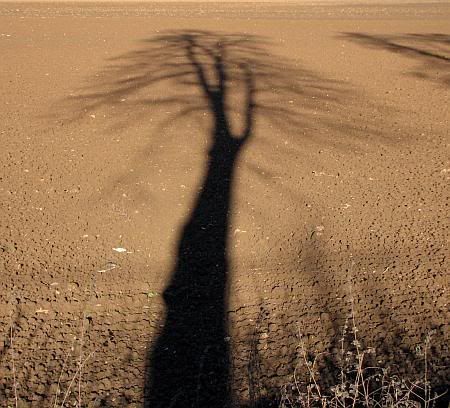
340	196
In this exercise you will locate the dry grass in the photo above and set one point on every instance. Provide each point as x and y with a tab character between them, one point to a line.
359	383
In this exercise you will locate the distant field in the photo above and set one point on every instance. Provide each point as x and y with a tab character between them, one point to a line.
289	10
305	2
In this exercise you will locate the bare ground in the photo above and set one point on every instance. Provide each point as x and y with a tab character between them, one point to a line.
320	183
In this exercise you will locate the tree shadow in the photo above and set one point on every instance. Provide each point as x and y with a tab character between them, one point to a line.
432	50
229	84
189	363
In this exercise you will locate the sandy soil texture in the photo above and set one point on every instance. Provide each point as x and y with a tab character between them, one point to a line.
186	188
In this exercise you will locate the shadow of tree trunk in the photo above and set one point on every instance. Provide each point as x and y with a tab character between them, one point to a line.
189	363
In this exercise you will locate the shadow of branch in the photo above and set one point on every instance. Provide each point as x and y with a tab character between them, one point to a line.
432	50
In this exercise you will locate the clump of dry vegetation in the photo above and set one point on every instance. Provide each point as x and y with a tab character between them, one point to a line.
359	383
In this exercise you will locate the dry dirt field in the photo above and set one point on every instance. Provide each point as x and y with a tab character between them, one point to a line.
186	189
